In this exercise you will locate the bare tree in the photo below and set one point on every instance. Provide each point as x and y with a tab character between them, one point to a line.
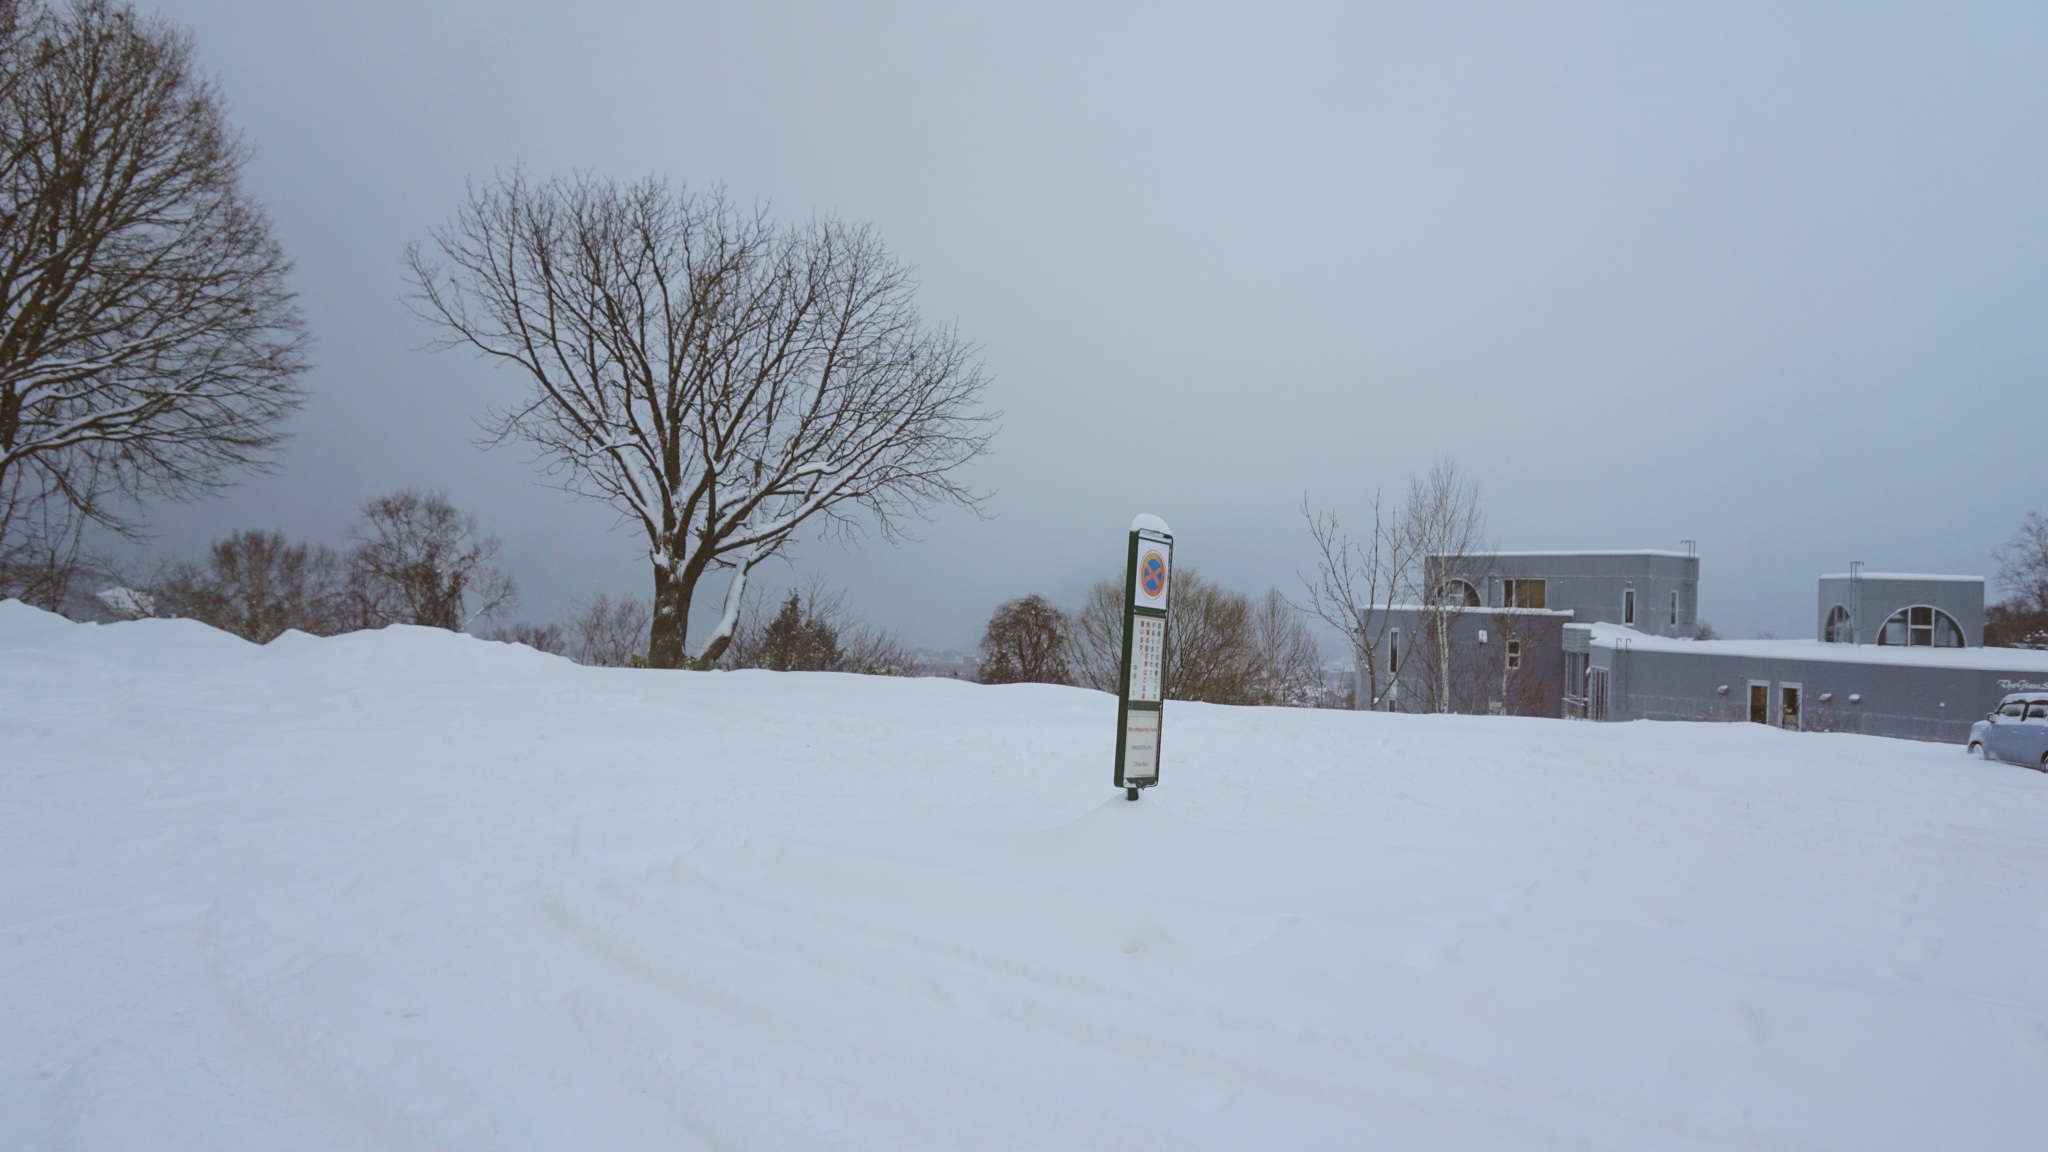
1025	643
609	633
2021	620
1356	585
719	381
1287	661
871	650
41	537
798	643
1513	669
2023	563
1446	540
1095	636
1209	650
255	585
1219	649
148	343
418	560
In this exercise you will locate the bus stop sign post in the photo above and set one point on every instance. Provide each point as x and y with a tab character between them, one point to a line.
1140	695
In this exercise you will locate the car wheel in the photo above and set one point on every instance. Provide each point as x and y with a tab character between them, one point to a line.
2044	762
1980	752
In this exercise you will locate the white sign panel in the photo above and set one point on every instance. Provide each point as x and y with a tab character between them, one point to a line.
1150	589
1141	745
1148	657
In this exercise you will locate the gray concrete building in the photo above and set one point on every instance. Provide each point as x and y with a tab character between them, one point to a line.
1914	692
1901	609
1651	590
1607	636
1498	660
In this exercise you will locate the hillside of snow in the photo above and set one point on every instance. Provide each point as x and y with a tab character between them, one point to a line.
412	890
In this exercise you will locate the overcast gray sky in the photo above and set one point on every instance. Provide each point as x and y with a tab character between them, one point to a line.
1771	277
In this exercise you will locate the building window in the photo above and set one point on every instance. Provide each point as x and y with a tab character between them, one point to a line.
1523	593
1674	608
1393	651
1461	592
1628	605
1921	627
1514	655
1838	630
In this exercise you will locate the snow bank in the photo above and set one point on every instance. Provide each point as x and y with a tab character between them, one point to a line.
408	889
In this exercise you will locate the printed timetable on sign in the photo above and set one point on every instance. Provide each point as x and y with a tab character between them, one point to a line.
1148	658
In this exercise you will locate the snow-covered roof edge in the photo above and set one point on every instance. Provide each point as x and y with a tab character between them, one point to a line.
2024	660
1146	520
1582	552
1899	576
1475	610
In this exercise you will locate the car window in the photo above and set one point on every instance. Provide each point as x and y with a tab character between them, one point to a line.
2038	710
2010	708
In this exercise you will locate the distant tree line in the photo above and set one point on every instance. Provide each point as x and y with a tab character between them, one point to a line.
1222	647
413	558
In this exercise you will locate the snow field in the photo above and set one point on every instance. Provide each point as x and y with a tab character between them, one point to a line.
408	889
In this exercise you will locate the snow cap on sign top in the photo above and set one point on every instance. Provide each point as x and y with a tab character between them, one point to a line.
1146	520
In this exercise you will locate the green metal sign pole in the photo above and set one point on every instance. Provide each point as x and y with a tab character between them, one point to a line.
1140	691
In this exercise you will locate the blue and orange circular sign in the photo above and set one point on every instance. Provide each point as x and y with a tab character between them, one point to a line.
1152	575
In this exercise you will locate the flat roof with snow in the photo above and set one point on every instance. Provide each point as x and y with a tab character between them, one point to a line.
1582	552
1917	576
1984	659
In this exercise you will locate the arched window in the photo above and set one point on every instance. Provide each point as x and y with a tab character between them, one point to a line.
1838	631
1921	627
1461	592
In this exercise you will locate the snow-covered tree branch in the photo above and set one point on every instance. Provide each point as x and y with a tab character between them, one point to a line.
148	343
720	381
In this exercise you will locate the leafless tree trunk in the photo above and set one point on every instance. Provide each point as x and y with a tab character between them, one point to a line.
719	381
418	560
1521	685
1289	662
2023	563
41	537
148	344
609	633
1446	537
1095	636
1355	586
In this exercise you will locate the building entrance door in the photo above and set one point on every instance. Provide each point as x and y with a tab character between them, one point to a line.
1788	706
1759	702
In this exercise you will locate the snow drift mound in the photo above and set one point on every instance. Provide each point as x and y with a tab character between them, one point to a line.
412	889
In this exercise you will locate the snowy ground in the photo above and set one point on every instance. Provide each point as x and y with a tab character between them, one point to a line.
413	890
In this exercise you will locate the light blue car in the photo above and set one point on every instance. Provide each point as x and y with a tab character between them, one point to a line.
2016	731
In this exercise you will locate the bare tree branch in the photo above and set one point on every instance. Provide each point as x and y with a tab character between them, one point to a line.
1446	531
148	343
419	560
718	381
